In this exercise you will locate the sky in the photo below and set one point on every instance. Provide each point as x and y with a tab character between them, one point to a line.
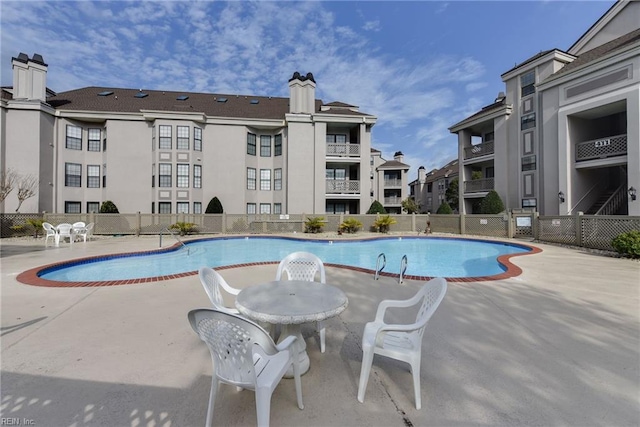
418	66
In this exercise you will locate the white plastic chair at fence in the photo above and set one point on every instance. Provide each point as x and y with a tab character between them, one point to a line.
65	231
51	232
244	355
304	266
399	341
80	230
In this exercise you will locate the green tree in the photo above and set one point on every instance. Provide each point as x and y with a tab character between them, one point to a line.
108	207
451	195
491	203
410	206
444	209
376	208
214	206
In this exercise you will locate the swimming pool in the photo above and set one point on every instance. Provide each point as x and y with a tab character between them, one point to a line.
452	258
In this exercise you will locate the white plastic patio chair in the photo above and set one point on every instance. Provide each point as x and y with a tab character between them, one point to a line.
397	341
244	355
212	281
80	229
89	230
304	266
65	231
51	232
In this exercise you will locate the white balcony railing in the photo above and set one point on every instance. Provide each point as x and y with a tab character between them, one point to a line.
478	185
392	201
342	186
343	150
392	182
601	148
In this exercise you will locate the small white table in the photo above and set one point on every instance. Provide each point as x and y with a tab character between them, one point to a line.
291	303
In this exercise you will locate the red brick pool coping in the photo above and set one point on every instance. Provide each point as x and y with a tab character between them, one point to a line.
30	277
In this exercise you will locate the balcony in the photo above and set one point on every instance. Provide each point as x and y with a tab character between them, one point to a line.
601	148
392	201
393	182
343	150
342	186
478	150
478	185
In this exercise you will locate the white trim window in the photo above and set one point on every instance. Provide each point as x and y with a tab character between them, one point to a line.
251	144
197	176
164	207
277	145
165	137
197	207
164	175
265	179
277	179
265	208
251	178
251	208
182	175
182	207
74	138
182	142
265	145
94	140
197	139
93	176
72	175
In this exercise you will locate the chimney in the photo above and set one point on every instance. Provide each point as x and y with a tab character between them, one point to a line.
302	94
29	77
422	175
398	156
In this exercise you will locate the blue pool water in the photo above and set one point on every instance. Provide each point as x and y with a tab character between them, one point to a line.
434	257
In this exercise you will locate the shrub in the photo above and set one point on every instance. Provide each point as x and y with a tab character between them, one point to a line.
350	225
36	224
383	223
214	206
184	227
376	208
108	207
491	203
628	243
444	208
314	224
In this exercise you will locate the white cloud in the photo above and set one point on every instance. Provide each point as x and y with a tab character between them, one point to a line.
372	26
247	48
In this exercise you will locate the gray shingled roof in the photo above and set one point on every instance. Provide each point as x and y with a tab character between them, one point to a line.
533	58
598	52
393	164
124	100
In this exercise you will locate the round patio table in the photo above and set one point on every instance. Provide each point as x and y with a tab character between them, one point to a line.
291	303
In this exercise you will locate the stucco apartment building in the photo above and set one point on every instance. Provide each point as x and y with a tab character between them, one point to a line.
429	190
389	181
167	152
564	136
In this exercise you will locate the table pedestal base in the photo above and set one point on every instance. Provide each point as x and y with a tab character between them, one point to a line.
299	346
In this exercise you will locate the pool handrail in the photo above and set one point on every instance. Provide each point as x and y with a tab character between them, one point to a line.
378	268
167	229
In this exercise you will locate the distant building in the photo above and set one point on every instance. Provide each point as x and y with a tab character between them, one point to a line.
565	135
389	181
429	190
170	151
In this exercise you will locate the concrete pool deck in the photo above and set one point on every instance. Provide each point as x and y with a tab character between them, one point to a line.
557	345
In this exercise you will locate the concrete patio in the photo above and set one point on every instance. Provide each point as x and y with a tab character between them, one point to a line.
558	345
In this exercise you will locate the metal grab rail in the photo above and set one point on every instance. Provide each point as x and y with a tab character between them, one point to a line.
378	268
403	268
167	229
